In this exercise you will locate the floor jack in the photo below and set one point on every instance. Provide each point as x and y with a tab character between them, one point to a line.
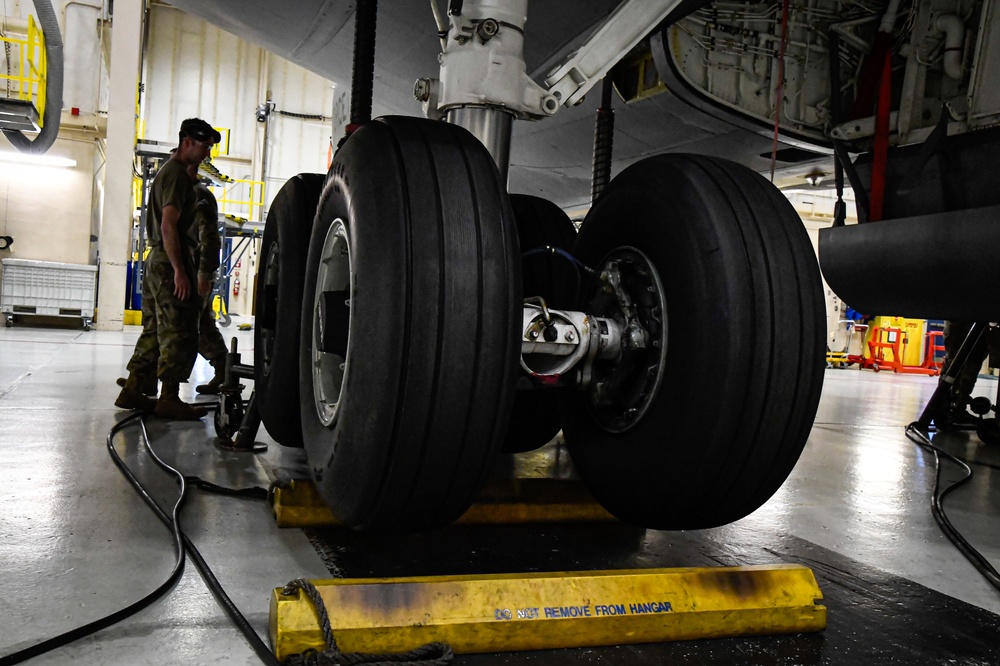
236	425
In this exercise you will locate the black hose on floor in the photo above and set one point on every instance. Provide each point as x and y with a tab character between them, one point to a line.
109	620
182	545
917	435
249	633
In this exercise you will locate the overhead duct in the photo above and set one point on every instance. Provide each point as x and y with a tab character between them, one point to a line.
53	85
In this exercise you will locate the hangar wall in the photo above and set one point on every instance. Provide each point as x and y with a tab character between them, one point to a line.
50	211
195	69
191	68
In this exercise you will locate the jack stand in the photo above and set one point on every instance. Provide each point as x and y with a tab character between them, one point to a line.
231	417
938	404
988	429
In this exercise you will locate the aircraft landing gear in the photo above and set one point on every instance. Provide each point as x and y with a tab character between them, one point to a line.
412	313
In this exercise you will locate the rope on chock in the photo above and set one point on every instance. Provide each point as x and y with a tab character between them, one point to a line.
432	654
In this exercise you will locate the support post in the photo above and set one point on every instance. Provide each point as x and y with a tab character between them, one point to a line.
116	218
492	126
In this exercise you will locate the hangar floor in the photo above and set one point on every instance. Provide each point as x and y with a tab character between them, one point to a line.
76	543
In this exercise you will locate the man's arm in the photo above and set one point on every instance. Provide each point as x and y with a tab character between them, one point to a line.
172	244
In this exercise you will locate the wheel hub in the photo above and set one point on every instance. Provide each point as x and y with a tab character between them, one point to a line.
629	292
331	323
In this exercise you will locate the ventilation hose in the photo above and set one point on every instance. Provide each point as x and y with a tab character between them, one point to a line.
363	74
604	135
53	85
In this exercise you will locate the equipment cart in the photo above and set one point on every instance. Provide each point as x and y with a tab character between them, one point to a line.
47	288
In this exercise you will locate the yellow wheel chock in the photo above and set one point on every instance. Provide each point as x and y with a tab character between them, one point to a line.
526	500
536	611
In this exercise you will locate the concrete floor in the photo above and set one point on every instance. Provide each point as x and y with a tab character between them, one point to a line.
76	542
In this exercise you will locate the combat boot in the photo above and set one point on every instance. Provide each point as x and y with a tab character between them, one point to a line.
131	397
170	406
148	385
213	385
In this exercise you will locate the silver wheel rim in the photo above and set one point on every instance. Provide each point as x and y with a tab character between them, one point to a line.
645	289
329	368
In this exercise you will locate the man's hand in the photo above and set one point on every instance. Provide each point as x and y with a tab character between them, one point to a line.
204	286
182	285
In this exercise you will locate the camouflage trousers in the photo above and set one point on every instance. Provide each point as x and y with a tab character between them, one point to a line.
169	339
210	342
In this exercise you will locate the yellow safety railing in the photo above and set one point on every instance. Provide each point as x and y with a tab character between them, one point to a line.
221	148
32	67
136	193
247	194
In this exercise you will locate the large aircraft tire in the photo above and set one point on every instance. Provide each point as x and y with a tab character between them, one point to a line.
409	345
534	420
284	246
742	364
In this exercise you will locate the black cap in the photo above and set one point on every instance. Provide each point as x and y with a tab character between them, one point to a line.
199	130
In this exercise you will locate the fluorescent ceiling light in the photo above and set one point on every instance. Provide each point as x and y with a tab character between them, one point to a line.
39	160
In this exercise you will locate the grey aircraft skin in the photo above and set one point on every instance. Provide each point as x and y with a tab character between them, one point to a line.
550	158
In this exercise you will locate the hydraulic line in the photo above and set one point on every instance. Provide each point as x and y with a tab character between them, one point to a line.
840	207
578	266
780	92
844	159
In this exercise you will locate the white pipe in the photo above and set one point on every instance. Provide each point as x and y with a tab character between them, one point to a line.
889	18
442	26
116	219
954	34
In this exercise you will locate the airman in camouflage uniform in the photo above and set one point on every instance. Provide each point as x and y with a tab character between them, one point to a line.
169	341
210	343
